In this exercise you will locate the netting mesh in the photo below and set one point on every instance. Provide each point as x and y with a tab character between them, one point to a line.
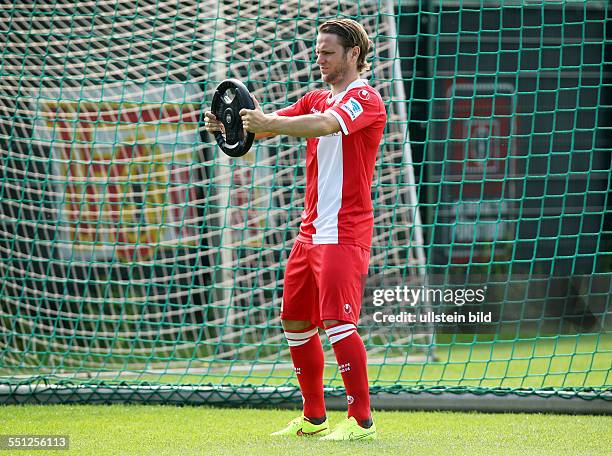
132	250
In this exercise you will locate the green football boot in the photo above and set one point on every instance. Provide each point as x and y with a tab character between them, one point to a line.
349	429
301	427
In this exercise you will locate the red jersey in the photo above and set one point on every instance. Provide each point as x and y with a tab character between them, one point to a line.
340	167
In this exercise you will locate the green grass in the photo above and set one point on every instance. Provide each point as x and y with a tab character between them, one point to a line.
167	430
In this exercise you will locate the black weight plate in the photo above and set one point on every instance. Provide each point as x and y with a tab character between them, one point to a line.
229	98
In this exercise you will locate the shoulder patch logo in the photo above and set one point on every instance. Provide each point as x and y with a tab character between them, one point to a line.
353	108
364	94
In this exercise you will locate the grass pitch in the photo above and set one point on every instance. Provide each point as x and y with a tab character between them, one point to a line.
168	430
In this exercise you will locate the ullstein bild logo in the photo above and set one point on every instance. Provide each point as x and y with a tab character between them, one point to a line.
432	317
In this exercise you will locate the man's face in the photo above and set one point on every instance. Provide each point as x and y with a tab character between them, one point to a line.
332	58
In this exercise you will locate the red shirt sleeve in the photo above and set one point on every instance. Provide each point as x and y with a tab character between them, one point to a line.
358	108
299	108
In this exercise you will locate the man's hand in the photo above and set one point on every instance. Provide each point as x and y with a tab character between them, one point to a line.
211	124
254	120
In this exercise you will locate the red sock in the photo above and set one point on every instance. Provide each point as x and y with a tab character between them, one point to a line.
308	363
351	356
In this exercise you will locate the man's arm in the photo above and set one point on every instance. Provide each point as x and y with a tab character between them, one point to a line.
306	126
268	125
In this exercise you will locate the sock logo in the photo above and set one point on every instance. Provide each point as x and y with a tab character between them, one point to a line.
350	399
344	367
347	308
297	370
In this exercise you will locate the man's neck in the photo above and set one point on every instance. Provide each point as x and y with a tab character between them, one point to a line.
343	85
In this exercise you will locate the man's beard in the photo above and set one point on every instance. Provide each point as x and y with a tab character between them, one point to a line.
333	78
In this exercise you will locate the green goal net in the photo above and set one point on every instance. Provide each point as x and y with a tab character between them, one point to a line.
140	264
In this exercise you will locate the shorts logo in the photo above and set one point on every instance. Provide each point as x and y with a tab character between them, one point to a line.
364	94
350	399
347	308
353	108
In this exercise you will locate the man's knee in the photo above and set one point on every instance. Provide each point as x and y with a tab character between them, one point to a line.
328	323
295	325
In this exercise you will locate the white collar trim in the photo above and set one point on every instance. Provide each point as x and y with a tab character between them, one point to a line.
352	85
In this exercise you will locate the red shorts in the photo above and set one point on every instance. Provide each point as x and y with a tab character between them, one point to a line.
324	282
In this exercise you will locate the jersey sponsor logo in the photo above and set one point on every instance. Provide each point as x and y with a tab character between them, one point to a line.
353	108
364	94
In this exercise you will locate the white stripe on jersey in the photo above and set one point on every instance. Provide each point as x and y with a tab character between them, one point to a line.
330	176
340	121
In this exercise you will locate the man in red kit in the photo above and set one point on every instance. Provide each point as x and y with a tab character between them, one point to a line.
323	278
